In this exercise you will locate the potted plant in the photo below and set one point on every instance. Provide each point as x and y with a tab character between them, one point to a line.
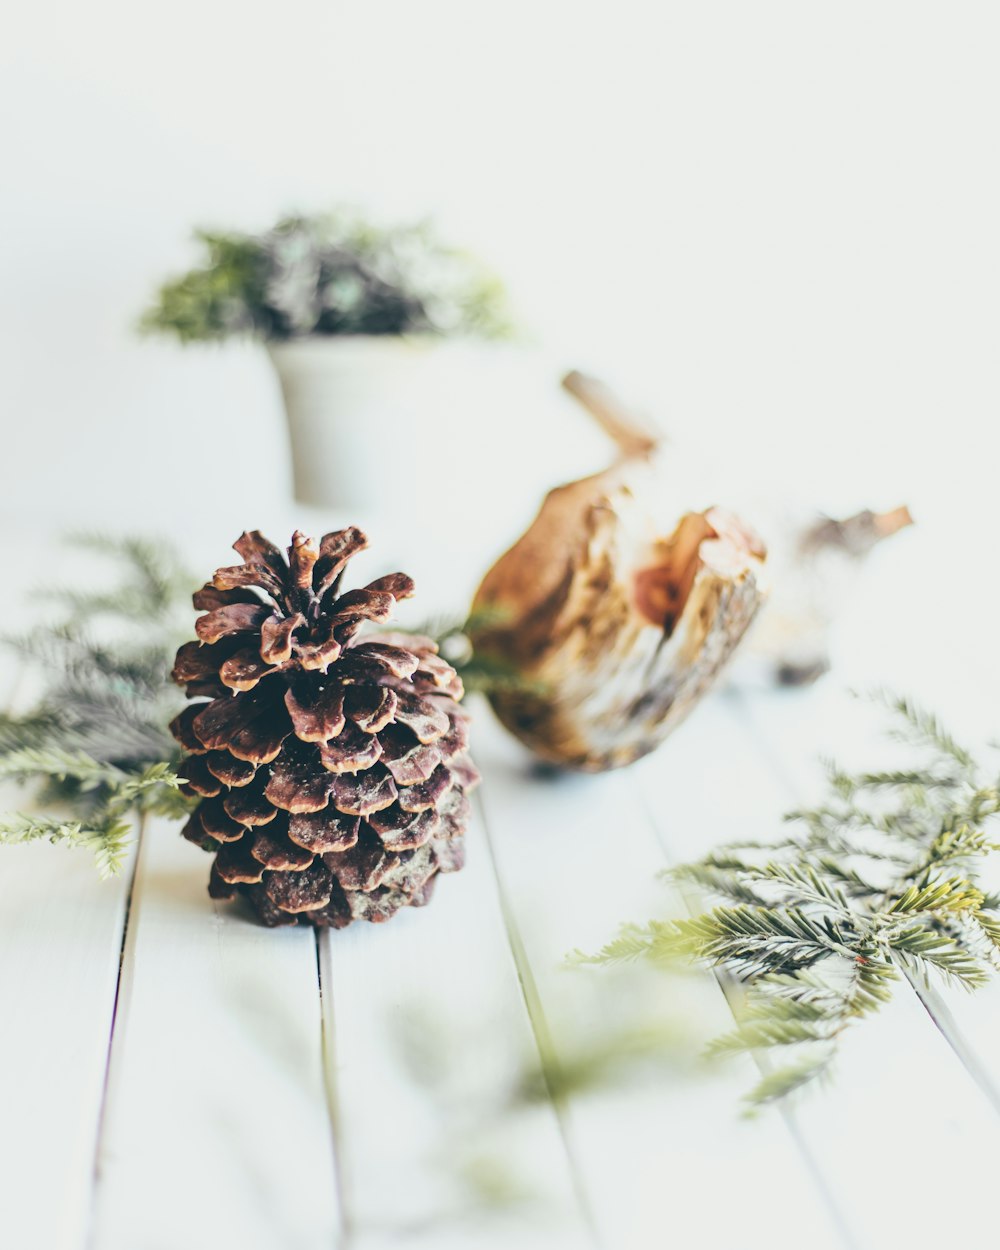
352	315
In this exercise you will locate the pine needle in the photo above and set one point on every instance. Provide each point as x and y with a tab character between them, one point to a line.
881	878
95	745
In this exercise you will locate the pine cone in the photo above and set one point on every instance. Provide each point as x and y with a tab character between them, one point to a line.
332	765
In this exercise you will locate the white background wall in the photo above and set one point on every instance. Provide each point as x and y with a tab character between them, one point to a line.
775	223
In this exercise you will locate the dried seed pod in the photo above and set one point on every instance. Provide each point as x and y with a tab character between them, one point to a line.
615	629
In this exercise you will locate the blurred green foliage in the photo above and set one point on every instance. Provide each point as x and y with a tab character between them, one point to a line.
95	742
330	274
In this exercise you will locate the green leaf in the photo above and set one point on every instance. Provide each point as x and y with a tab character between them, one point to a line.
28	762
97	742
632	943
768	1032
719	880
917	946
990	926
949	894
923	726
786	1080
108	840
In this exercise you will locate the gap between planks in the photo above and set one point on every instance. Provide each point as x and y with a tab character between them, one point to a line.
444	979
731	993
133	868
575	857
547	1054
57	1139
216	1069
328	1057
897	1073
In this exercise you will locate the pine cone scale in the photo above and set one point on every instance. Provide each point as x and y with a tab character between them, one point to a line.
350	752
328	830
318	721
229	770
235	618
248	806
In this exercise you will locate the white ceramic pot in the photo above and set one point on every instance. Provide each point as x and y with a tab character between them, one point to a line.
363	414
442	444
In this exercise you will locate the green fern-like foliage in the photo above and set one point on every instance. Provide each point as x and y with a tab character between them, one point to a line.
331	274
879	881
95	746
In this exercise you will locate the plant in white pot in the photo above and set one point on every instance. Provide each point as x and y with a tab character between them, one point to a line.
353	316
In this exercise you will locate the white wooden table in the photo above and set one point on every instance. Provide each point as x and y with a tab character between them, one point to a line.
173	1077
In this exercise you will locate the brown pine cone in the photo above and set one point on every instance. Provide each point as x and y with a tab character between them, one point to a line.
332	764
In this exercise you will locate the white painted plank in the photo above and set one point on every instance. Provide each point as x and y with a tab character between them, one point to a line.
577	856
898	1089
216	1130
945	657
60	931
440	982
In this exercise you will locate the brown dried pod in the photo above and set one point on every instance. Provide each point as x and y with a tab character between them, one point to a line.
614	629
331	765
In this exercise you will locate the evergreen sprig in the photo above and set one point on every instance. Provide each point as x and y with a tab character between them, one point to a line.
881	879
95	744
